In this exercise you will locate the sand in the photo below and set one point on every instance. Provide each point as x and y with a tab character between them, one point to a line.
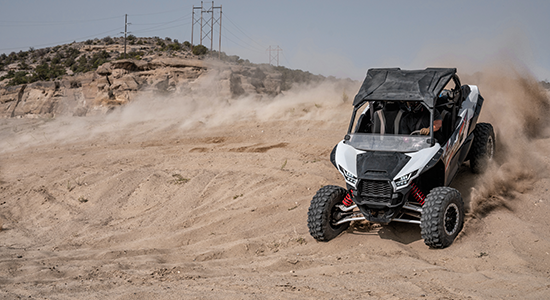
199	197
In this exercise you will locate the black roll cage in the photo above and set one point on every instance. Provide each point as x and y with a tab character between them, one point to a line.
457	94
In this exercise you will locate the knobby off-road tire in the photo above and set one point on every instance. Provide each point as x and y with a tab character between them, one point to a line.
483	147
442	217
320	216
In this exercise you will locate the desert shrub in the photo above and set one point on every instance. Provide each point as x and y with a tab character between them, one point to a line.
139	42
18	78
81	65
200	50
99	58
40	52
72	53
47	72
108	40
132	54
69	62
23	66
22	54
88	42
187	45
56	59
168	39
3	58
12	57
174	47
10	74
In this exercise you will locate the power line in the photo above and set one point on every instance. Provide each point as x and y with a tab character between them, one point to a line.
288	63
159	13
236	26
161	26
238	44
158	28
63	42
48	23
252	46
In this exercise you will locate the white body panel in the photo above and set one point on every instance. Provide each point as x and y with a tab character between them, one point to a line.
346	157
418	161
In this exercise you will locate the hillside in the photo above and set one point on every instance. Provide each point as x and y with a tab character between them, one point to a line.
94	77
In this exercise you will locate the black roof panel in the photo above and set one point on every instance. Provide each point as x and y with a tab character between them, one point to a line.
403	85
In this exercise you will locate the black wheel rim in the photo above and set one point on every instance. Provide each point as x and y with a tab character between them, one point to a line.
335	216
451	219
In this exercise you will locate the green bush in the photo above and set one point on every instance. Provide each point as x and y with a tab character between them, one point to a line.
18	78
174	47
22	54
132	54
108	40
47	72
23	66
200	50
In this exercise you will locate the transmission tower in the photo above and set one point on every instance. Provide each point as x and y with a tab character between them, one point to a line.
274	54
207	20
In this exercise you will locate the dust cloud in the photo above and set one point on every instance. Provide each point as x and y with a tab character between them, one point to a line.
517	107
201	104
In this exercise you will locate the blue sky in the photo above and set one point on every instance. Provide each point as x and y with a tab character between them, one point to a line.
339	38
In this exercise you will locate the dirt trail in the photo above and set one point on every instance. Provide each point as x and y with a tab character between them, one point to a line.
209	199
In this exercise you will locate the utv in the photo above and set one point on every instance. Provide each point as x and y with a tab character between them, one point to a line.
394	176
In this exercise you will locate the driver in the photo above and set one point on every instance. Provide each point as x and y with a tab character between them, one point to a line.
417	118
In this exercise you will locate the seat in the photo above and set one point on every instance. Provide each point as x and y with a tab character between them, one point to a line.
388	119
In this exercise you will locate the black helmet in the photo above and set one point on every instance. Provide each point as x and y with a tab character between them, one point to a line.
414	106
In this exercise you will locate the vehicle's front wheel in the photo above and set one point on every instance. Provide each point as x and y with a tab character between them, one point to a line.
323	212
442	217
483	147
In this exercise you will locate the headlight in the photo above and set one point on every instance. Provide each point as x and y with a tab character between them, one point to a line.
348	176
404	180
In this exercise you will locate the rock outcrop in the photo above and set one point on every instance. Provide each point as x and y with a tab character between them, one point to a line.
120	81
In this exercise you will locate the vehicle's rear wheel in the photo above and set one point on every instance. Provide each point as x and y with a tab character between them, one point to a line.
323	212
442	217
483	147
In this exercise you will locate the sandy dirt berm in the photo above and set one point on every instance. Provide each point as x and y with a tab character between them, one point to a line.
207	198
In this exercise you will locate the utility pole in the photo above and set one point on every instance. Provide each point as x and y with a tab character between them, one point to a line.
125	31
207	21
273	57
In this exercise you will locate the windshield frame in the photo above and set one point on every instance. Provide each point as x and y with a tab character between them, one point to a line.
388	142
367	109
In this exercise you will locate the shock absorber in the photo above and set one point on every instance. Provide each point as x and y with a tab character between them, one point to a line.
417	194
347	200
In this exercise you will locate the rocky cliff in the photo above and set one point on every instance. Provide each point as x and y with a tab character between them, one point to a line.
80	79
119	82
